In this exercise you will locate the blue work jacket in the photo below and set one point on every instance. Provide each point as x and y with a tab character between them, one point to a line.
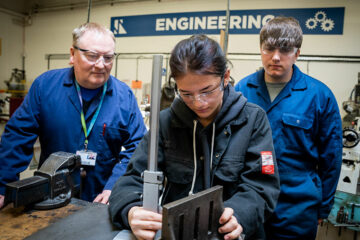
51	111
307	135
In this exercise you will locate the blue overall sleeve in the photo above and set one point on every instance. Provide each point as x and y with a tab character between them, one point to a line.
330	152
20	134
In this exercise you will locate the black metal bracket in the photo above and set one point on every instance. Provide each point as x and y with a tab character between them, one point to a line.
194	217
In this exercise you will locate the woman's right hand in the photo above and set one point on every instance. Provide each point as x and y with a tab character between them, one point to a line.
144	224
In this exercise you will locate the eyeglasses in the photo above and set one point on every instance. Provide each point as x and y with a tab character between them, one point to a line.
94	57
203	97
283	50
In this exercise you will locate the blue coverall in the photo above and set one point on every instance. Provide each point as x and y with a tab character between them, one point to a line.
51	110
307	134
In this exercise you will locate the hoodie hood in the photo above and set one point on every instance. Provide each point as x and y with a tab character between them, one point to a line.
233	103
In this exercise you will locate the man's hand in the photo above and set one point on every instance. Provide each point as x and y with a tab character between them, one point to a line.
2	199
231	228
144	224
103	197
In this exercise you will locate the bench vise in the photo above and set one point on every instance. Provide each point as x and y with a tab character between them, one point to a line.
51	186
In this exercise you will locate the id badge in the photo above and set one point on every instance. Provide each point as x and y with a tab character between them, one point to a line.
88	158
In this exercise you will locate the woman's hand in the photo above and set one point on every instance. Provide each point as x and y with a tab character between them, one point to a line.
144	224
230	226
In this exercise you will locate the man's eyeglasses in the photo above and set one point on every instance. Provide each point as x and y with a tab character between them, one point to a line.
283	51
94	57
203	97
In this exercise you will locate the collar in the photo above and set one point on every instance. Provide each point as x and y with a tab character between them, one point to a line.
297	81
70	80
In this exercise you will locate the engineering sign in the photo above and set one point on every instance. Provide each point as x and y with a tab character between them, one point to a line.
312	21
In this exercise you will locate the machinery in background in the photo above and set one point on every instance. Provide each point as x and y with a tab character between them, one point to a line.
17	88
346	209
16	83
167	94
4	105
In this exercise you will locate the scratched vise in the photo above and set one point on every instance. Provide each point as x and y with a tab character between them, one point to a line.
51	186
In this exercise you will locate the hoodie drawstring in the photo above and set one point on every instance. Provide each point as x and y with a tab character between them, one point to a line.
212	146
195	159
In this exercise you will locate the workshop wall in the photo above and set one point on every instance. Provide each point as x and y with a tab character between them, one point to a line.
50	33
11	46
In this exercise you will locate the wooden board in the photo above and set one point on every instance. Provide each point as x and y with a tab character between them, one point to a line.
18	223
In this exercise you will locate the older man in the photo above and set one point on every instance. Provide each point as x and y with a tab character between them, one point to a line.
80	110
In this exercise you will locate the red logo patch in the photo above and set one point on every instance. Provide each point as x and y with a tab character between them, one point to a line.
267	162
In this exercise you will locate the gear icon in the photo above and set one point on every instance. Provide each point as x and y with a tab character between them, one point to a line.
327	25
320	16
311	23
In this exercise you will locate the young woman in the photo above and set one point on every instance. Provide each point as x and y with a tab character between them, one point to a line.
209	136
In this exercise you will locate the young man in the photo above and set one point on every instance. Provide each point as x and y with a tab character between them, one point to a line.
209	136
306	125
80	109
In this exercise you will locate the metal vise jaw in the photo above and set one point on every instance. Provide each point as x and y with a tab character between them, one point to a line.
50	187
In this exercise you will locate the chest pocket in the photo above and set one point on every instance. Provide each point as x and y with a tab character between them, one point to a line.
110	141
297	121
297	135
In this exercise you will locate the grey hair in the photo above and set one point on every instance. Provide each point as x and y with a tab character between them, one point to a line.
282	32
95	27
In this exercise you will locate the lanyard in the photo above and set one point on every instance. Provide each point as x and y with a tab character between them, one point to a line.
83	123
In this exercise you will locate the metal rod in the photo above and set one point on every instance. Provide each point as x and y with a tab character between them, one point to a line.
83	4
116	66
152	178
12	13
226	38
231	56
89	8
48	61
154	112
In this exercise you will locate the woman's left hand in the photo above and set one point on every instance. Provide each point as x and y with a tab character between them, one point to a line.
230	226
103	197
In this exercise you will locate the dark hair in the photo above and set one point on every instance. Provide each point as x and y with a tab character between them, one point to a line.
281	32
198	54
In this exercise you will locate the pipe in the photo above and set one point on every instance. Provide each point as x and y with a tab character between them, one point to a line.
12	13
23	50
231	56
89	8
48	65
226	38
155	109
82	5
116	61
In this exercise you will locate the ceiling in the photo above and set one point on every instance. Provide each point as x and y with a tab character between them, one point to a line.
28	7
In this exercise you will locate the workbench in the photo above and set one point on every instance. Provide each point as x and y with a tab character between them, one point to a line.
78	220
